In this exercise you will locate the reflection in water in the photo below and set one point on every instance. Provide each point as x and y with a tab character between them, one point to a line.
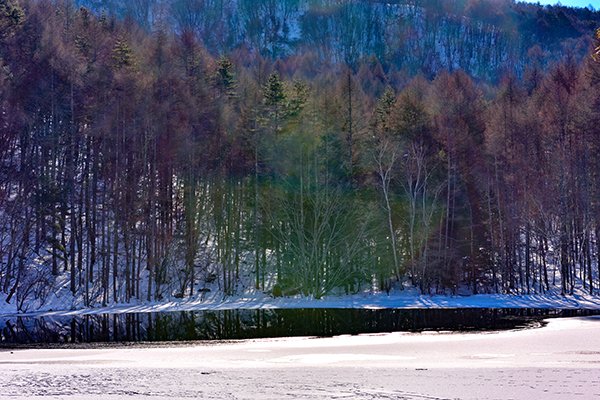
245	324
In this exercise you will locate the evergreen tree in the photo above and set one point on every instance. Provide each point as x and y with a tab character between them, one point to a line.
225	77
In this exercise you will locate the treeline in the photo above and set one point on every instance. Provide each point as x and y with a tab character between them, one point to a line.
135	165
485	38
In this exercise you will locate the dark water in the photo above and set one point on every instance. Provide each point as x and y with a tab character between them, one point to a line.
246	324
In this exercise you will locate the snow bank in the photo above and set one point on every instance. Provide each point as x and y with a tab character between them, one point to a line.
399	299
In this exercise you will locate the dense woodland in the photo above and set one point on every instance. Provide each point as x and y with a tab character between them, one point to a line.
485	38
142	159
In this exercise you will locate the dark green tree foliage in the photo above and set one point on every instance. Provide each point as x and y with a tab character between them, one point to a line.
135	165
122	55
11	17
273	91
225	77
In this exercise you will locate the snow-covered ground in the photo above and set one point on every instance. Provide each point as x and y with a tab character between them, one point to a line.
558	361
407	299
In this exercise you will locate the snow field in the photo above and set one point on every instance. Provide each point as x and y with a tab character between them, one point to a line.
558	361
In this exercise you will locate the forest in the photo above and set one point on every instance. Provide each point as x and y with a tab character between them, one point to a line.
149	149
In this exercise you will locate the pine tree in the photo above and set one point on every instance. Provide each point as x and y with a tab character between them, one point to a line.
383	111
122	56
225	77
11	17
273	91
274	99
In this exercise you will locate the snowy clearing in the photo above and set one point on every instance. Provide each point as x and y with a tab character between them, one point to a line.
558	361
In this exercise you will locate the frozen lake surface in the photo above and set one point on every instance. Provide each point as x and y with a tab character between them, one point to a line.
558	361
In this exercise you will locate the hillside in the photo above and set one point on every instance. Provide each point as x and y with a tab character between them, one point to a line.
486	38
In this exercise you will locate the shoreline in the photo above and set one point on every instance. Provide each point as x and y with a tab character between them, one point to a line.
364	301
